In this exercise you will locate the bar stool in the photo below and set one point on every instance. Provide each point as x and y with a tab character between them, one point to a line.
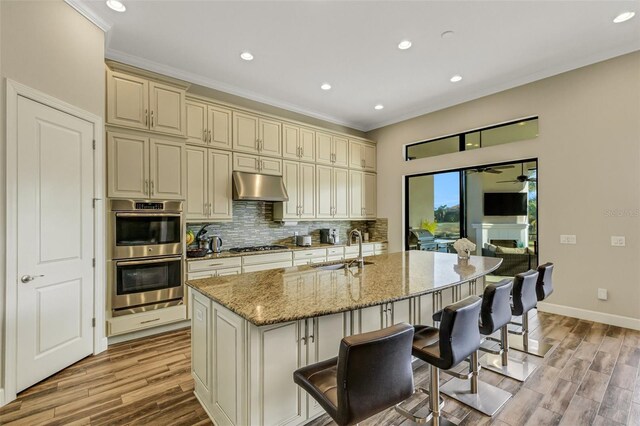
496	315
371	373
457	338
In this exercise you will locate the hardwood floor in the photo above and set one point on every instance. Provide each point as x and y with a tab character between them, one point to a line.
591	378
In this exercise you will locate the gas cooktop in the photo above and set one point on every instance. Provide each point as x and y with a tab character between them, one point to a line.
257	248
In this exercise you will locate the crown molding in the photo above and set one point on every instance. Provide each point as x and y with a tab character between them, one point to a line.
82	9
194	78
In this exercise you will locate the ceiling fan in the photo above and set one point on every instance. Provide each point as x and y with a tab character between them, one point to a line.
495	170
520	179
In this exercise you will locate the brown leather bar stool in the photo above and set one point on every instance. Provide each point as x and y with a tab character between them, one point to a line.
443	348
496	315
371	373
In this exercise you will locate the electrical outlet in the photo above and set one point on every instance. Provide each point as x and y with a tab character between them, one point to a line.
618	241
602	294
567	239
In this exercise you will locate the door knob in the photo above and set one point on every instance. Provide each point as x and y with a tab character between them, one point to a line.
28	278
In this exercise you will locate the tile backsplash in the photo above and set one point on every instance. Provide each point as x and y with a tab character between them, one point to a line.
253	225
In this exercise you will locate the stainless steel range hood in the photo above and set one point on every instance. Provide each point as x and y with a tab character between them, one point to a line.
257	187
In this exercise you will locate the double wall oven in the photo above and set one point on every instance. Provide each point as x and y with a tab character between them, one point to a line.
145	270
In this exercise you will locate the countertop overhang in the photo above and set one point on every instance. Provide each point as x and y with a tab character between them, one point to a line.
300	292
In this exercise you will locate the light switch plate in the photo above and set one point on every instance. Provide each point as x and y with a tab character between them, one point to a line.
618	241
568	239
602	294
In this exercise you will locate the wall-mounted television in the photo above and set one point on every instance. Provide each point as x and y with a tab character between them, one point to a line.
505	203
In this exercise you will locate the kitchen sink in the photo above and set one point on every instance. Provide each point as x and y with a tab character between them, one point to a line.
336	266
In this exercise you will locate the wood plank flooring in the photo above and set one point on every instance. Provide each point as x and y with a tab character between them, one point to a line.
590	379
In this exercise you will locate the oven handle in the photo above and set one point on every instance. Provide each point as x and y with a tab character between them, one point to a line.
148	214
142	262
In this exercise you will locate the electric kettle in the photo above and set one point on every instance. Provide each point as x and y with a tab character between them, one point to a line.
216	244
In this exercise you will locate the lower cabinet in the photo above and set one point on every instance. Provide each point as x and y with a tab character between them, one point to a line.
376	317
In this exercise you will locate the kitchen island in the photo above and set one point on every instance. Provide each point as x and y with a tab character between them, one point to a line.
251	331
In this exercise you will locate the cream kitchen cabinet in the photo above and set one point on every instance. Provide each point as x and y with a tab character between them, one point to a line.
208	125
141	167
139	103
308	257
362	195
332	150
378	317
362	156
208	184
263	262
256	164
255	134
298	143
332	188
299	179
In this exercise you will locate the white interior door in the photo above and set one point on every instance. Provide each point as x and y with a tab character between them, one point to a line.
55	244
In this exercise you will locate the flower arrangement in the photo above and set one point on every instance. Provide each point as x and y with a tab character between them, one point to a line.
464	248
429	226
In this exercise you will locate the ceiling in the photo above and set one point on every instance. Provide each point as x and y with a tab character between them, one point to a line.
298	45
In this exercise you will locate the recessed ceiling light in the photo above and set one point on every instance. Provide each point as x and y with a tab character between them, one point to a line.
624	16
447	34
404	45
378	107
325	86
247	56
116	5
456	78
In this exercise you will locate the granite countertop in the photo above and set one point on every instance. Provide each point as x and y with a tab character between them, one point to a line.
290	247
288	294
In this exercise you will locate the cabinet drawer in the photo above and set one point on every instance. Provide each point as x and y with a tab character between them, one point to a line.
366	249
266	266
335	258
381	246
267	258
335	251
135	322
205	265
309	254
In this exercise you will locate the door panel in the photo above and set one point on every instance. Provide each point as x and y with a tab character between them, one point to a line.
220	127
324	148
324	191
196	128
128	165
355	155
167	108
270	166
306	190
271	142
245	163
307	145
370	319
356	187
369	195
196	183
290	137
369	157
340	152
55	183
128	100
167	170
290	177
341	193
220	184
245	132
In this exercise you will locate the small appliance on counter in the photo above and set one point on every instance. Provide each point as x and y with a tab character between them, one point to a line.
216	244
303	240
329	236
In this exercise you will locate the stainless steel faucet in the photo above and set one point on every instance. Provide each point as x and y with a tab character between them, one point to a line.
360	258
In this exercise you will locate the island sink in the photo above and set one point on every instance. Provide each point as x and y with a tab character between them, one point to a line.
336	266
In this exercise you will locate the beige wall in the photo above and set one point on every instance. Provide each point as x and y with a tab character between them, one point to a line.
589	161
50	47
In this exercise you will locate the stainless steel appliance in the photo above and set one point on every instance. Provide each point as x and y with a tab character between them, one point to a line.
141	228
303	240
251	249
216	244
140	285
421	239
329	236
258	187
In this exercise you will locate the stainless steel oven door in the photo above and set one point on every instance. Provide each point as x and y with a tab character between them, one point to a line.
145	234
146	281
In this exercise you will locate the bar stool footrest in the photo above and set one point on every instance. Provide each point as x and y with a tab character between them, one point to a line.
428	419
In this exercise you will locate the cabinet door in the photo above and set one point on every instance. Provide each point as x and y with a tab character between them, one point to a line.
340	152
167	170
324	192
270	138
370	319
245	132
128	165
290	175
307	190
341	193
270	166
356	155
219	185
127	100
197	194
307	144
356	185
369	157
369	194
167	108
245	163
201	344
399	311
324	148
219	123
290	138
196	127
276	352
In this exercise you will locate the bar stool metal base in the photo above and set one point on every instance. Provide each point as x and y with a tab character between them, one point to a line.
532	347
515	369
488	400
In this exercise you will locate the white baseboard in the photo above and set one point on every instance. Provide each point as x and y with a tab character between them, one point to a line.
611	319
149	332
2	401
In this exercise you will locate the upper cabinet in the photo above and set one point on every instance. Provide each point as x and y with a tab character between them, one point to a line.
298	143
332	150
208	125
257	135
362	156
362	195
139	103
